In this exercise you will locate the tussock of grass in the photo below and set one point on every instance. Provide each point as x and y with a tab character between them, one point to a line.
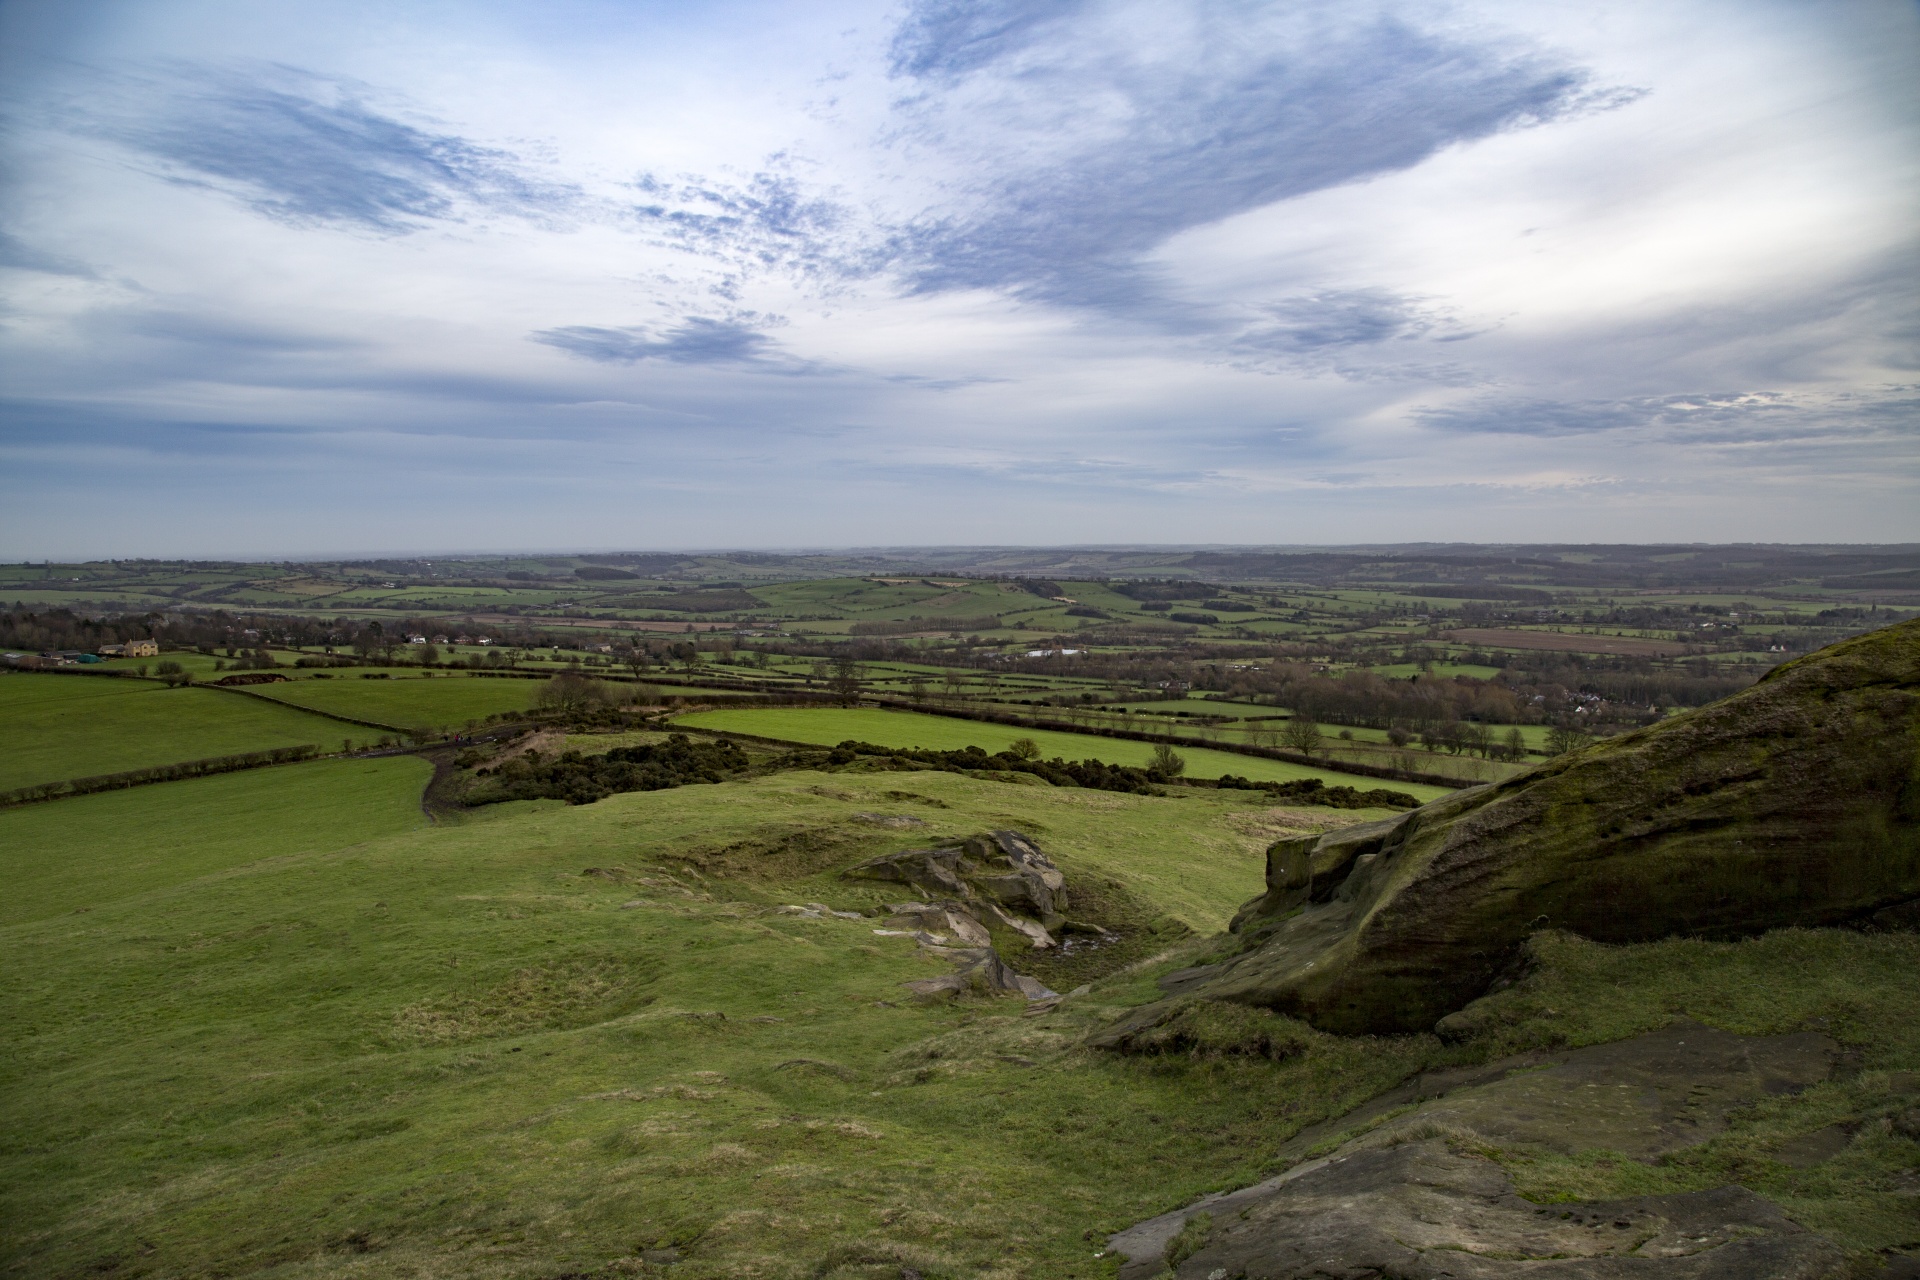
549	996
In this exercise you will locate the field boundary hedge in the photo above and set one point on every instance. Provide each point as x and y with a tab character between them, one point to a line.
1174	740
409	731
157	773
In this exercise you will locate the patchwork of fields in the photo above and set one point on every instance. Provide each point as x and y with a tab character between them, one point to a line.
281	1024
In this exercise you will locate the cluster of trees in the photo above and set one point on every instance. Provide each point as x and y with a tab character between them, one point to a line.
1363	698
39	631
578	779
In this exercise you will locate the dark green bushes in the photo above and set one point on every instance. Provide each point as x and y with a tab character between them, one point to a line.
1094	774
579	779
1314	791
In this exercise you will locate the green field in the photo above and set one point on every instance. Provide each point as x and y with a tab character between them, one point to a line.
456	1045
59	727
83	851
827	726
407	701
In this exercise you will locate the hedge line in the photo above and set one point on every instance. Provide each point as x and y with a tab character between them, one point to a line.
158	773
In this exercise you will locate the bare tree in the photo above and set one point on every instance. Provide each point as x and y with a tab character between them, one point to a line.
569	693
846	680
1303	735
1167	762
1563	738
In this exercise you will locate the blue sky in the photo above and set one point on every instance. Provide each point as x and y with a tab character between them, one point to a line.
303	278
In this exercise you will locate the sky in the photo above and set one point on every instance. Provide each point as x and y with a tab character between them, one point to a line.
302	279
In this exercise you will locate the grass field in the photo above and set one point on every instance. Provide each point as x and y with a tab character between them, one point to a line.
453	1051
827	726
413	702
65	855
59	727
457	1052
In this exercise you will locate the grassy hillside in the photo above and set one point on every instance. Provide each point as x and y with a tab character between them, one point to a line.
83	851
60	727
587	1041
826	726
453	1052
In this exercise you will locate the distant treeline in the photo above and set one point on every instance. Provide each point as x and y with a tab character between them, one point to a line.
59	629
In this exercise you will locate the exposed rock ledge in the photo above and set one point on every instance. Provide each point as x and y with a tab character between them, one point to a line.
1402	1202
1002	879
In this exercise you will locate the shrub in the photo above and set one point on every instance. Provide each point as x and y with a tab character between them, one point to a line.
579	779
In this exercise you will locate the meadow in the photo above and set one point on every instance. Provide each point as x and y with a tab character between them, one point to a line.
78	853
826	726
432	704
61	726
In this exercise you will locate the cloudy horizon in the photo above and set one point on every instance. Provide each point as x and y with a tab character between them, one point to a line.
637	275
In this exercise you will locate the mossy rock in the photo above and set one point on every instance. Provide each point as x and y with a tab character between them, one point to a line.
1796	802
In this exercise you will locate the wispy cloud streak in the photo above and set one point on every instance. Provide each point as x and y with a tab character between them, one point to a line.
307	148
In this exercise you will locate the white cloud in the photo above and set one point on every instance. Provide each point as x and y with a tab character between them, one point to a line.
1055	279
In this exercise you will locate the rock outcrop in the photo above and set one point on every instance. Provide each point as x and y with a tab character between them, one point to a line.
1422	1212
1413	1195
1001	878
1796	802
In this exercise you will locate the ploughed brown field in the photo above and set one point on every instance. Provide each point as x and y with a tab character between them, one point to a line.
1560	642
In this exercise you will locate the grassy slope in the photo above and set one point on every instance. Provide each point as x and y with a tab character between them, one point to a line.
452	1053
76	726
87	850
826	726
440	702
280	1066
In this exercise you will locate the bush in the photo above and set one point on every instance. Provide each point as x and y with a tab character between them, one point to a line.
1314	791
579	779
